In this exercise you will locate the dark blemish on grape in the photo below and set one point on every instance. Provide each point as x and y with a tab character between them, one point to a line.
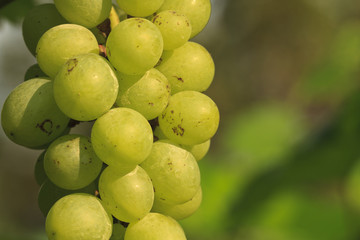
163	115
187	23
57	126
154	189
172	111
115	145
67	146
53	233
72	64
137	46
163	199
85	148
179	78
44	125
12	134
151	104
178	130
39	92
154	19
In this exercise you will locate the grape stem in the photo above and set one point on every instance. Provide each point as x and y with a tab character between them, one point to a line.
114	18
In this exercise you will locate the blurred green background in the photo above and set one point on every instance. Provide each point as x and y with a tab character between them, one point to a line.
285	163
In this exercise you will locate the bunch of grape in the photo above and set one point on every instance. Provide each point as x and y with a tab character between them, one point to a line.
132	71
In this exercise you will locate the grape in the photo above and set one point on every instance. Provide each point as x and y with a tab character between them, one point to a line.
175	28
118	232
86	87
39	171
197	11
174	173
88	13
70	162
128	196
155	226
190	118
49	193
78	216
34	71
148	94
61	43
30	116
140	8
37	21
134	46
198	150
179	211
122	138
195	72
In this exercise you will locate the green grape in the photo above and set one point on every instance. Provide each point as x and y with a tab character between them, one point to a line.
39	171
140	8
197	11
88	13
155	226
196	71
30	116
118	232
37	21
34	71
190	118
49	193
61	43
86	87
174	172
198	150
78	216
148	94
122	138
71	163
128	196
175	28
134	46
179	211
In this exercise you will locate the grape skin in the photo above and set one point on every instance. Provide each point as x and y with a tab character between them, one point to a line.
174	172
78	216
134	46
197	11
155	226
128	196
30	116
122	138
86	87
175	28
61	43
37	21
140	8
196	72
88	13
190	118
148	94
71	163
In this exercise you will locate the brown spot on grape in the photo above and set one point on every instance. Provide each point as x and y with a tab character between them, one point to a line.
85	148
12	134
46	126
178	130
151	104
179	78
172	111
72	63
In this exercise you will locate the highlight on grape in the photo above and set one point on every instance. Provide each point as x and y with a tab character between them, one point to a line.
132	70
